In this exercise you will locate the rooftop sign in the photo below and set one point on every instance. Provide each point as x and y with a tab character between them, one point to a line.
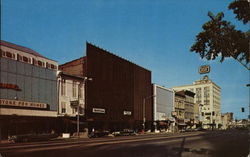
204	69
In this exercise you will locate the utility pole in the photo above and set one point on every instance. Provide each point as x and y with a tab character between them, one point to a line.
144	111
78	110
144	118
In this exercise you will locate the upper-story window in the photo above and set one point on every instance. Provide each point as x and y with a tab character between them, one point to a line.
40	63
81	91
25	59
63	87
52	66
34	61
74	88
47	65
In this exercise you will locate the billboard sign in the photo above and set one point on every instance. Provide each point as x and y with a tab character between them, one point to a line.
204	69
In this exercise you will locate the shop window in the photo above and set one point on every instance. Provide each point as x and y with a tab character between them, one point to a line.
63	107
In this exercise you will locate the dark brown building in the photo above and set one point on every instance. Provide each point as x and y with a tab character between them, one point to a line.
114	97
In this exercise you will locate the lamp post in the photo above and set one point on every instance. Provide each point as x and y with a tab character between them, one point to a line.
78	106
144	108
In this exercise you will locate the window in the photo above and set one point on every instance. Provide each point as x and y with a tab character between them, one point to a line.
40	63
81	91
19	57
74	89
2	53
63	107
10	55
63	87
52	66
25	59
34	62
47	65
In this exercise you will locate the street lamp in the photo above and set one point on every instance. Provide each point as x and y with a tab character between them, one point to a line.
78	106
144	117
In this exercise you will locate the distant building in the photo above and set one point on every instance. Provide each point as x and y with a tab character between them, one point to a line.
114	98
188	106
28	90
207	94
226	119
179	106
163	106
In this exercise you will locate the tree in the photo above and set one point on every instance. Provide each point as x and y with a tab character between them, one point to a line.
220	38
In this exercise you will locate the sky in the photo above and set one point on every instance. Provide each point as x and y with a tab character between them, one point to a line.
156	35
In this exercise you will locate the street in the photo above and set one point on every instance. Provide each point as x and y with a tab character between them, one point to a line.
233	143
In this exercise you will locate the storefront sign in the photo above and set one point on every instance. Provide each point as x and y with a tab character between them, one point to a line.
98	110
9	86
128	113
17	103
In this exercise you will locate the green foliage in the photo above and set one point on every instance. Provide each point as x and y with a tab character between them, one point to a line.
220	38
242	10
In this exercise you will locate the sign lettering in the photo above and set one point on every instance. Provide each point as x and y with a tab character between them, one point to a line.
17	103
9	86
204	69
98	110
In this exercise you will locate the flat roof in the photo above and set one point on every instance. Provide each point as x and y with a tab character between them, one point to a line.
23	49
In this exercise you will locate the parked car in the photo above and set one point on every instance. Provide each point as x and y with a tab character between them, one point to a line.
98	134
32	137
200	129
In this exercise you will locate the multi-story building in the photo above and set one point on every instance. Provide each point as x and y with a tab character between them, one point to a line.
71	95
114	99
163	106
28	90
207	94
71	105
179	108
188	103
226	119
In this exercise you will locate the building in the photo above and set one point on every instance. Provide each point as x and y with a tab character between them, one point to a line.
208	94
163	106
188	103
114	99
227	120
28	90
179	107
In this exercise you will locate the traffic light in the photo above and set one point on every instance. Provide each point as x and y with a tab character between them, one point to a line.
242	109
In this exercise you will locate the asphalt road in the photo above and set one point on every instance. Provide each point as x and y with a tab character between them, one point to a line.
232	143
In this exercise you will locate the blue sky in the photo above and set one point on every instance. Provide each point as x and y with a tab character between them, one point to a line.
154	34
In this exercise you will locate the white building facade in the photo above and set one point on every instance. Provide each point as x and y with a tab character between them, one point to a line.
163	103
208	95
71	95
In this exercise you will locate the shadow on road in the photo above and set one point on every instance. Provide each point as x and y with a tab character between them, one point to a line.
210	144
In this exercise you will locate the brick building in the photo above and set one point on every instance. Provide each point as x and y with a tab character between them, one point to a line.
114	97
